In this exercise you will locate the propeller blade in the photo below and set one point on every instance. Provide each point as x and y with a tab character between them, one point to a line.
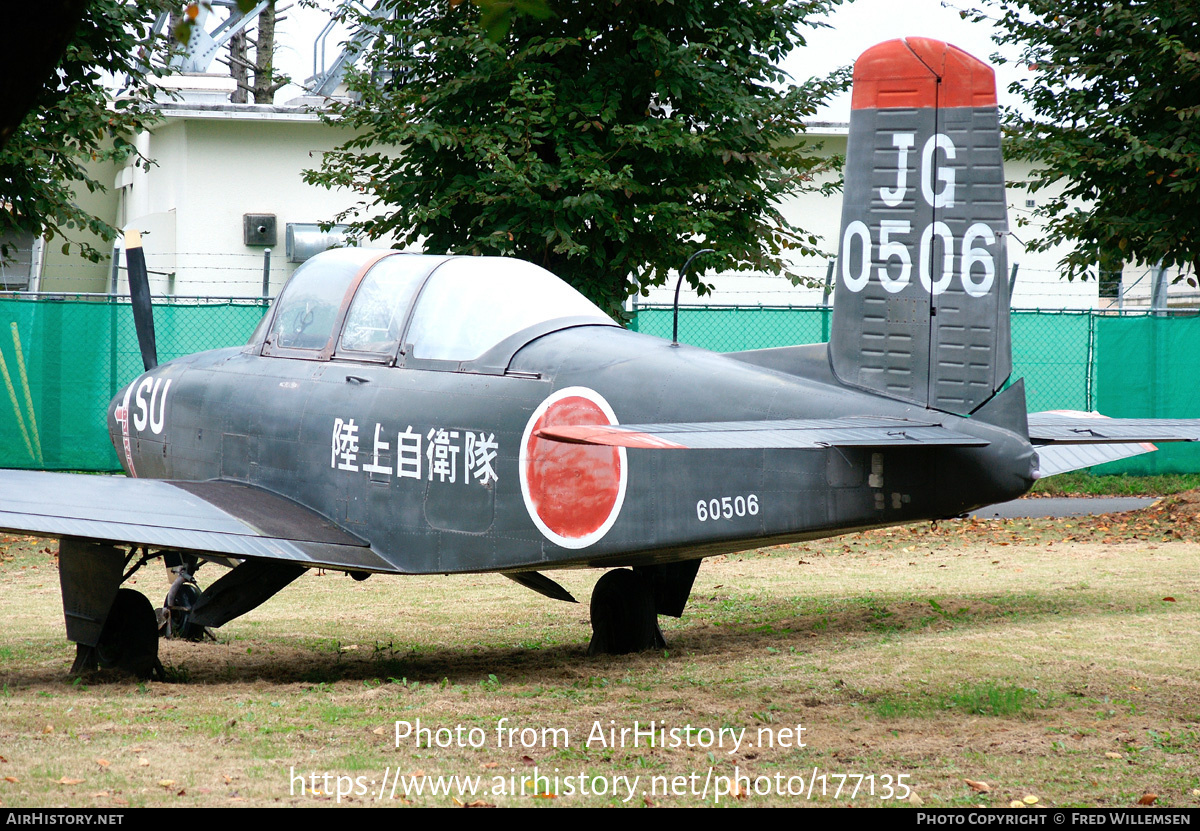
139	295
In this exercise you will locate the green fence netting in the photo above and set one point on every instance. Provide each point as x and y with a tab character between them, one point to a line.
1149	367
62	359
1050	349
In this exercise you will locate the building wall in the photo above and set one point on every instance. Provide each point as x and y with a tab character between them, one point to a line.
215	163
213	167
210	165
70	272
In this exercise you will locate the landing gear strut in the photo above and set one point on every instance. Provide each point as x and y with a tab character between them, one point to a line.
175	616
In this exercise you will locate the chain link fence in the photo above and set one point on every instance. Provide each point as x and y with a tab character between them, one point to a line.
64	357
1052	351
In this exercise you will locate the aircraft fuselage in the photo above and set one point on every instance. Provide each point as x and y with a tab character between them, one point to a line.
427	465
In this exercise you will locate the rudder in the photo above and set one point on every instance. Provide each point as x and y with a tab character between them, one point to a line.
921	307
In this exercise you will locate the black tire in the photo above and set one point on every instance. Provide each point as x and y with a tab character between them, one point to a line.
129	641
624	619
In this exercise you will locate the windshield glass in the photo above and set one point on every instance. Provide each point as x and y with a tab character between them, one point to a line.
309	304
376	317
470	304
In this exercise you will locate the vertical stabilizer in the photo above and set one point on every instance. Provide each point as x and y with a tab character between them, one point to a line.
921	307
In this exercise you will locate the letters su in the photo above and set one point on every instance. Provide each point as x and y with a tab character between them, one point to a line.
153	411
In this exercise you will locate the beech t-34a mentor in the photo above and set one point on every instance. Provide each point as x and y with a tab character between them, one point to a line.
409	414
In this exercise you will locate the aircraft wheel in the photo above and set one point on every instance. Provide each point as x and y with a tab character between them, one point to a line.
180	616
129	641
624	619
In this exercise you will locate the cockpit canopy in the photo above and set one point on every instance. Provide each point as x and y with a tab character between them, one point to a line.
439	312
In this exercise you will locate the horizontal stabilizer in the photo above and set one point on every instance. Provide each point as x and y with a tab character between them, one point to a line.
1063	458
204	517
765	435
1062	427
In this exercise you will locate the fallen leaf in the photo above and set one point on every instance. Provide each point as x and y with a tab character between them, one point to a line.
166	783
378	731
978	787
143	762
99	794
182	792
1169	599
1016	803
1148	799
1110	754
228	779
67	781
14	780
528	760
479	803
1031	800
545	796
913	799
646	801
489	765
49	728
103	762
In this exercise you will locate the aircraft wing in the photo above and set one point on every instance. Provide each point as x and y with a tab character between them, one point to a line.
774	434
204	517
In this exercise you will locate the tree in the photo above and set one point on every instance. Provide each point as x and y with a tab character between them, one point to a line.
74	122
1112	117
606	142
257	79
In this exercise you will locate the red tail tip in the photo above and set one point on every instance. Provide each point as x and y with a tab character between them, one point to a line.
906	72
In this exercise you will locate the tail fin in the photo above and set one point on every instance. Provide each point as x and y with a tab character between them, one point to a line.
921	308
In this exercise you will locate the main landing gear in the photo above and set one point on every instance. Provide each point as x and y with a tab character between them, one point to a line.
626	604
129	640
117	628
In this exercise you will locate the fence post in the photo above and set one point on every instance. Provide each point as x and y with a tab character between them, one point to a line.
1090	391
825	302
1158	291
116	272
266	290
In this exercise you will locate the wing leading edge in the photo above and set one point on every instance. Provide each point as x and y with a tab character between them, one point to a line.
204	517
1065	440
776	434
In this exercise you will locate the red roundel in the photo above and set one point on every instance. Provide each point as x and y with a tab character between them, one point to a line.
573	492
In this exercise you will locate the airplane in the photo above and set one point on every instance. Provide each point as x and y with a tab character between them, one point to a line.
400	413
